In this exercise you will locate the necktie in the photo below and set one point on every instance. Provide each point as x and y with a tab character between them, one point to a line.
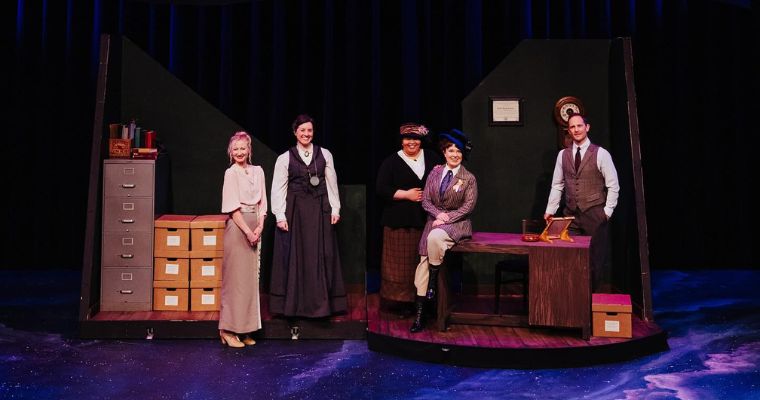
445	183
577	159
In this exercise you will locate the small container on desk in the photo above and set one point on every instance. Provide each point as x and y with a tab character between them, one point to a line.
531	229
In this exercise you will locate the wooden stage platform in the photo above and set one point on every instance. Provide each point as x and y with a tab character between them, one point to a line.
204	324
504	347
554	331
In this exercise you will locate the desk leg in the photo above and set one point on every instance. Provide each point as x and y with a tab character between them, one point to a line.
443	299
586	334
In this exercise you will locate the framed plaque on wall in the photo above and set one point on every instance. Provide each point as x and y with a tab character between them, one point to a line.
505	111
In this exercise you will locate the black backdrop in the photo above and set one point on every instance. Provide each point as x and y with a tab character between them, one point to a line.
361	68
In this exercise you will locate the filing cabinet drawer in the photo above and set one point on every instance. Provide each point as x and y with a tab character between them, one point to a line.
127	249
122	214
126	289
133	179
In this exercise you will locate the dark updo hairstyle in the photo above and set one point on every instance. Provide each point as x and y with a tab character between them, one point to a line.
302	119
444	144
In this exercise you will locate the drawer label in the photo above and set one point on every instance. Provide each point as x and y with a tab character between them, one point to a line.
171	300
172	269
128	206
127	241
612	326
209	240
126	276
172	241
208	270
208	299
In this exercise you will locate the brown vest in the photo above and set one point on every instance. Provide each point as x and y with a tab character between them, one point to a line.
584	188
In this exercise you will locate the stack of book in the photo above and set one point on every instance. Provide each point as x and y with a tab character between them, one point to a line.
143	153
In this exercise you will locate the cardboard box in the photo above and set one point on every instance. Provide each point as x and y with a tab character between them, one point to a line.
611	315
170	295
206	254
171	269
206	269
205	296
172	235
207	232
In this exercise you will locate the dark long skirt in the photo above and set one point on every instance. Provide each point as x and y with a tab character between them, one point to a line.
400	259
307	280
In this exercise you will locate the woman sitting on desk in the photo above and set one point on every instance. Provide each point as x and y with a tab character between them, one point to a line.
448	199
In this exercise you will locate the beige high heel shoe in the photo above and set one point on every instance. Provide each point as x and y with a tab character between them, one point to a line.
248	340
230	340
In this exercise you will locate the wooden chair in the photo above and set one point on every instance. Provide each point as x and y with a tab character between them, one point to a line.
517	266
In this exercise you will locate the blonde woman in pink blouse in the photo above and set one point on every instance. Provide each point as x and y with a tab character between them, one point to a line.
244	199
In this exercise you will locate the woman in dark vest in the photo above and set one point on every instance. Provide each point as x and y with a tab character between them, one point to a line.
306	274
400	180
449	198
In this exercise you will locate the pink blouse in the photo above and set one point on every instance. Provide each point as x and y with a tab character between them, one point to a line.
244	187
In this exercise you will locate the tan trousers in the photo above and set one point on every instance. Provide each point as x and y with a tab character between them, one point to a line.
438	241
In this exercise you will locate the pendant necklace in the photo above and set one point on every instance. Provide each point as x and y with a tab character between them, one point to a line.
313	179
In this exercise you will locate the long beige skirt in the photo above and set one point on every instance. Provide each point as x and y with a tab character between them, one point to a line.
240	311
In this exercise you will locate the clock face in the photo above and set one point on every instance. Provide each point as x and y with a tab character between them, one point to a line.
567	110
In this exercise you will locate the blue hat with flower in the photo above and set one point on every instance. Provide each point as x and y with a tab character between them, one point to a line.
459	139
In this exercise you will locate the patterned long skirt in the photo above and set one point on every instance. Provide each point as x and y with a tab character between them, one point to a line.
400	259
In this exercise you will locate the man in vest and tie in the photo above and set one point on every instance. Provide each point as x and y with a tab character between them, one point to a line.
587	176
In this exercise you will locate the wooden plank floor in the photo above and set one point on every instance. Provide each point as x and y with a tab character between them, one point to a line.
357	311
389	324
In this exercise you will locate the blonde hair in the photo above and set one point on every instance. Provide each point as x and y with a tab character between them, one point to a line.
240	136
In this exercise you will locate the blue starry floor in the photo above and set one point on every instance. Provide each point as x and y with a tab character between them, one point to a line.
712	318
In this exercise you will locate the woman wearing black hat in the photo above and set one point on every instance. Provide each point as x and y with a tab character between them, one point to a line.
449	198
399	184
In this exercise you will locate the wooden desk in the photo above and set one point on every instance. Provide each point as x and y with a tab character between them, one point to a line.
559	282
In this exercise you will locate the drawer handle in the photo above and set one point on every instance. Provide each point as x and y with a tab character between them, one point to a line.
128	185
128	221
127	255
125	291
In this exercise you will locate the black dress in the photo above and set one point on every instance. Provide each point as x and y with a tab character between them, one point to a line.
402	222
307	280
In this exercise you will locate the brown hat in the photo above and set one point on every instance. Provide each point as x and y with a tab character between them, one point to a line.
411	130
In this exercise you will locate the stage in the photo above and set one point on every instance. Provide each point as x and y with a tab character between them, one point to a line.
504	347
204	324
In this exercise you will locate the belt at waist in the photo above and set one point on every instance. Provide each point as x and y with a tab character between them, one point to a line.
249	209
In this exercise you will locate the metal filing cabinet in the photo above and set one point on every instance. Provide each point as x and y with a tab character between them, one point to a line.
127	245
